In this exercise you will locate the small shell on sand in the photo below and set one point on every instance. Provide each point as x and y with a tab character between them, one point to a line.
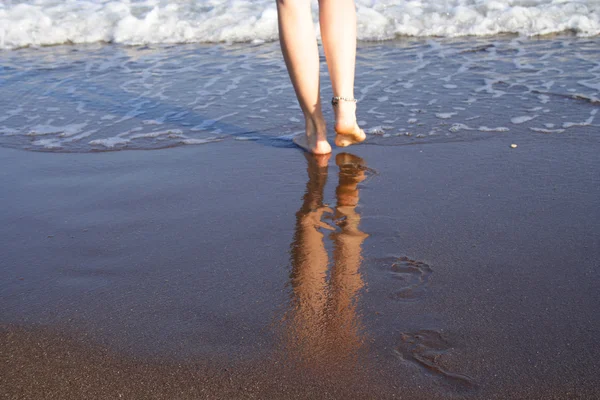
514	146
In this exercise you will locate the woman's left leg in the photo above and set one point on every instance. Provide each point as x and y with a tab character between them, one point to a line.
338	32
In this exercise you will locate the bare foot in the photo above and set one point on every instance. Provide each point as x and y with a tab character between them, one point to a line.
314	140
347	130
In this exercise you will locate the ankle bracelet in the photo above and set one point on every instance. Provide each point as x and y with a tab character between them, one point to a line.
336	99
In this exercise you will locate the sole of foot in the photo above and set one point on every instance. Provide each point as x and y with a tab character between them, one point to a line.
346	136
320	147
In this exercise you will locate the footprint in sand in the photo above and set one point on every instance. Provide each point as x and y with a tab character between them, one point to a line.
426	348
414	276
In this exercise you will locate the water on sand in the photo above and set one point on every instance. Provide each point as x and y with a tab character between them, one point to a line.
98	97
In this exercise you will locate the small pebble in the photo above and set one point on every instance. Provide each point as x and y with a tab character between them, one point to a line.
514	146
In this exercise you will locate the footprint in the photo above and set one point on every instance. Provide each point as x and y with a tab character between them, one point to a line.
425	348
414	276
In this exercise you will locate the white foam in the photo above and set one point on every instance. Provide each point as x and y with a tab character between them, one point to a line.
153	121
446	115
47	22
459	127
72	129
378	130
544	98
199	141
110	142
49	129
9	131
169	132
47	143
246	138
587	122
498	129
522	119
544	130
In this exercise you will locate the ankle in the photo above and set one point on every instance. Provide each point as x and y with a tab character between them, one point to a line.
315	125
316	118
343	100
344	107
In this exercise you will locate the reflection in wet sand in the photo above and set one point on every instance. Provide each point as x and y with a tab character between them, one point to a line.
322	327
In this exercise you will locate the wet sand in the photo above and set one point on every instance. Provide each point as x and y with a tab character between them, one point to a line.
243	270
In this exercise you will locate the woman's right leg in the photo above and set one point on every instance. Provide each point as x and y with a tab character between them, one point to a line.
301	54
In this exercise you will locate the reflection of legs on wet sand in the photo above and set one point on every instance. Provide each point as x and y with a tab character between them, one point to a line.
324	328
309	264
346	279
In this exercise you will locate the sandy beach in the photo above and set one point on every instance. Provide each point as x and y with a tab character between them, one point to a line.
163	238
458	270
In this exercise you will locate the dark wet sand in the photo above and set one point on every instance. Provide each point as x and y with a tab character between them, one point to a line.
186	273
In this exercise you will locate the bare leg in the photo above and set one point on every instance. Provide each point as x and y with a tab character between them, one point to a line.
299	48
338	32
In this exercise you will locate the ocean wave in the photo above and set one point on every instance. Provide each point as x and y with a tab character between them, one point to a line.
136	22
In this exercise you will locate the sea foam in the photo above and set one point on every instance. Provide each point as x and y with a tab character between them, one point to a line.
51	22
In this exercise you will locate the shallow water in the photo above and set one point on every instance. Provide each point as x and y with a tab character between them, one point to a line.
110	97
